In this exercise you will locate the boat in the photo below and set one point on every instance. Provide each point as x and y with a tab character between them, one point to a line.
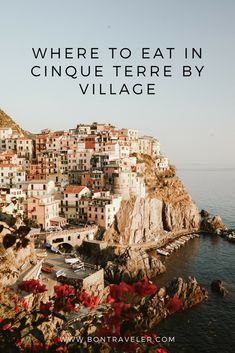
71	261
162	252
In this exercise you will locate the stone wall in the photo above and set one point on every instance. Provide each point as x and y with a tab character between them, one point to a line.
94	283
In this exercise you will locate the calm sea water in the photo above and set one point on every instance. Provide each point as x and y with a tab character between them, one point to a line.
210	326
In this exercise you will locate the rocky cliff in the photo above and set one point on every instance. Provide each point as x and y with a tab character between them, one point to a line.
132	265
184	294
166	209
7	121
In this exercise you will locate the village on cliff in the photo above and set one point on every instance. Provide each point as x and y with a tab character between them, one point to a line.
68	187
79	176
92	207
82	191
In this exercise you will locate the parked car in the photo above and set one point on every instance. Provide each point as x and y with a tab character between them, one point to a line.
54	229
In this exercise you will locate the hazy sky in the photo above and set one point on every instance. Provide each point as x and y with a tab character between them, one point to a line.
192	117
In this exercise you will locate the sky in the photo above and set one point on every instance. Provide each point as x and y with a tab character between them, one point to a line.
192	117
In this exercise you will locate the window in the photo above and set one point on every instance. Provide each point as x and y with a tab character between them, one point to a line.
58	240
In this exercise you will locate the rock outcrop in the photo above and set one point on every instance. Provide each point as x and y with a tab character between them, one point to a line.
167	207
218	287
132	265
212	224
179	295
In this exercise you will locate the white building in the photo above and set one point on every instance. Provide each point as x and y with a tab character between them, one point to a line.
162	163
83	159
128	184
102	208
70	203
24	147
11	174
149	145
38	188
5	132
113	150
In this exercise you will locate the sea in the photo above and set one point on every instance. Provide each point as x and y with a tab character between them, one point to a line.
210	326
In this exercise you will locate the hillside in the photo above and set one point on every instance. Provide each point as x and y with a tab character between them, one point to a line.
7	121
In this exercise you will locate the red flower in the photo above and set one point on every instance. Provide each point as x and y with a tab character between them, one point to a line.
125	287
6	327
82	296
45	306
61	349
16	309
118	290
115	291
6	289
110	300
144	288
69	307
161	350
120	307
174	304
32	286
19	343
56	340
14	298
63	290
87	300
149	338
24	303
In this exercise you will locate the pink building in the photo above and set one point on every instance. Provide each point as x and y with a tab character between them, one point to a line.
43	210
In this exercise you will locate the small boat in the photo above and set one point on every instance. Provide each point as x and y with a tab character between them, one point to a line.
71	261
162	252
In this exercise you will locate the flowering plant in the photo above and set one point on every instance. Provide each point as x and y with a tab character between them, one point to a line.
31	321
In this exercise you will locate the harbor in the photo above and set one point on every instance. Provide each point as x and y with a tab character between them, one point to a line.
176	244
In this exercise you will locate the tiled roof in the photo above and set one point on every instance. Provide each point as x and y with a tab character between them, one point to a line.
74	189
7	165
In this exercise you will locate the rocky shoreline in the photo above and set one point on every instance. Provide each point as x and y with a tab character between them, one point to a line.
214	225
185	294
